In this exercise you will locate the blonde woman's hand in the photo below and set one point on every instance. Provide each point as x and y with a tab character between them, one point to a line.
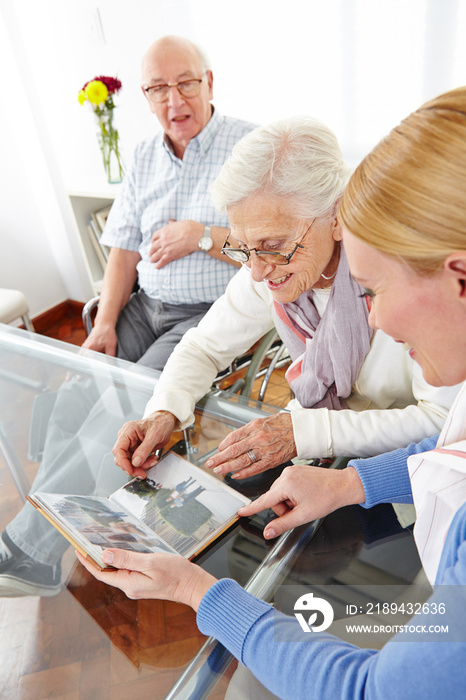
160	576
305	493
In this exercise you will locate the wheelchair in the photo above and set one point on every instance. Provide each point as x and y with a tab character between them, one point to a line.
259	362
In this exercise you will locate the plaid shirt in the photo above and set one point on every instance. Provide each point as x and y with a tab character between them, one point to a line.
158	187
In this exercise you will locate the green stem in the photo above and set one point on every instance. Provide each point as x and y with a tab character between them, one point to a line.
109	144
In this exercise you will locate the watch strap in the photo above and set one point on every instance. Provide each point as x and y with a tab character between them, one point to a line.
206	242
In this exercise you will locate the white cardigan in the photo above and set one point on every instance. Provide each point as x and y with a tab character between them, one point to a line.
389	379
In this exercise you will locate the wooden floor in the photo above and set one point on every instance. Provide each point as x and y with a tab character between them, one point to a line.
83	644
69	328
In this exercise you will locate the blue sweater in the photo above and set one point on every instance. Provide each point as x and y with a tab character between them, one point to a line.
327	667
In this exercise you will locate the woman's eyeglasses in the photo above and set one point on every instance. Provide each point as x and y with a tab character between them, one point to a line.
271	257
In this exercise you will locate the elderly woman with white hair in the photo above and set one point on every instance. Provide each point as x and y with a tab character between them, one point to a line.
357	392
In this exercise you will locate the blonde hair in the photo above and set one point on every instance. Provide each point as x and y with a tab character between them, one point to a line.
408	196
297	158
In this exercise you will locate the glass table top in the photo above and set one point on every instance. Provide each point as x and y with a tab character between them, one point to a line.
60	410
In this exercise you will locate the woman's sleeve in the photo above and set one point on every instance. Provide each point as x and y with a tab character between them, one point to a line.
323	666
385	478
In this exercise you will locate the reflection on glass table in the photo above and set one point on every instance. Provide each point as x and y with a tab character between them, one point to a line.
60	411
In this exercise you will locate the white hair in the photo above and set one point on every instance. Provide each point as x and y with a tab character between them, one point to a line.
298	158
205	60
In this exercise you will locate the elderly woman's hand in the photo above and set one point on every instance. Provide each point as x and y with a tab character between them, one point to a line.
138	439
159	576
261	444
305	493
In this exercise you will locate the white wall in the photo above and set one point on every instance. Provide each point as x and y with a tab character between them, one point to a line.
359	65
26	259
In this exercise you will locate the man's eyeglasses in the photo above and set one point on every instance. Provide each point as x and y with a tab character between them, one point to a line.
186	88
271	257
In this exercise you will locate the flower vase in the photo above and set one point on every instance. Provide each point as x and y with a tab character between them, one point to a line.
109	145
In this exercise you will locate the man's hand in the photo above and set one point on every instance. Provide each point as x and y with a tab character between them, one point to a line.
159	576
271	440
102	339
119	278
174	241
305	493
138	439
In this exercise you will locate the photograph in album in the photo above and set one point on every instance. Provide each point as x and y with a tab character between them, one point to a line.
178	508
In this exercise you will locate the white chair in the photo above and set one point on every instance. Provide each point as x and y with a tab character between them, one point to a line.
13	305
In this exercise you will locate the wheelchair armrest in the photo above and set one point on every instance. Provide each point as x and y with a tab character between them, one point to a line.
87	313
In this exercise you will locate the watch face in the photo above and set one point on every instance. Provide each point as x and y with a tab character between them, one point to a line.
205	244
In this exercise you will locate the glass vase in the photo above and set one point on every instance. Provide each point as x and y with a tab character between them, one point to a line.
109	146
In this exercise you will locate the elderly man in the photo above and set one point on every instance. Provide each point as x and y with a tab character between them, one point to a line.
163	230
166	235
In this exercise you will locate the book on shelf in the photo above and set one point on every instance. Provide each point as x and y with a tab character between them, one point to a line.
94	236
178	508
101	216
98	233
95	228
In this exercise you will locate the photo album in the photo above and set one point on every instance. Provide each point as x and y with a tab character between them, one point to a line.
177	508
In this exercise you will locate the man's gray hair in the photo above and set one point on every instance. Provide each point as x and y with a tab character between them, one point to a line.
205	60
297	158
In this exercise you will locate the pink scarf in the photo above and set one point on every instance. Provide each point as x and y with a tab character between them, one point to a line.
327	352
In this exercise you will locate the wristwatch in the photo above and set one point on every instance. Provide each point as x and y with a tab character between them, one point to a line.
206	242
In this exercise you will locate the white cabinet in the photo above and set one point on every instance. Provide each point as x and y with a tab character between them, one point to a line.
83	204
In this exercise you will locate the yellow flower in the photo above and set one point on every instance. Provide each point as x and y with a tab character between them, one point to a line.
96	92
81	97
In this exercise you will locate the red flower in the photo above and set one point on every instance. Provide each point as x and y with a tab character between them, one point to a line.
113	85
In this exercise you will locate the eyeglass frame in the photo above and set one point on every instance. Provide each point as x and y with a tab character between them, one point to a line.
226	249
150	96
